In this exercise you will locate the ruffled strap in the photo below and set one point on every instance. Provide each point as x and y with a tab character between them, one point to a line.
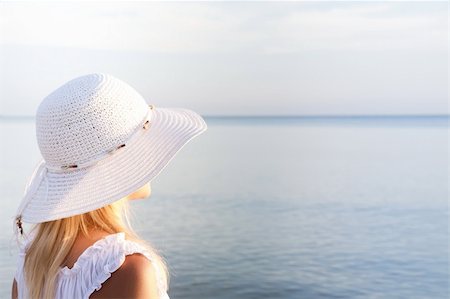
96	264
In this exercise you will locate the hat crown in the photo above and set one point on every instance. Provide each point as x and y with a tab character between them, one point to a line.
87	116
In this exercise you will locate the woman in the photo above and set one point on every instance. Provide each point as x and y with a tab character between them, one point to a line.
102	145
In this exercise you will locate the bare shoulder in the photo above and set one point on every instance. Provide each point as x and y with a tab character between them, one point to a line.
136	278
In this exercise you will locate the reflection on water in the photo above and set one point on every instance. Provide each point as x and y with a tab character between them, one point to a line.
287	208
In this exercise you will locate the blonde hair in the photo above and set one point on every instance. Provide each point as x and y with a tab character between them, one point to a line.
54	239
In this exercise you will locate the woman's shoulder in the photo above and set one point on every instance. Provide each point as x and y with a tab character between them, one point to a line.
135	278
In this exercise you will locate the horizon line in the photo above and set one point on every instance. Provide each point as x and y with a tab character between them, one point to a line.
225	116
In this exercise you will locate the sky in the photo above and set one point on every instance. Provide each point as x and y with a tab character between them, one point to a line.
234	58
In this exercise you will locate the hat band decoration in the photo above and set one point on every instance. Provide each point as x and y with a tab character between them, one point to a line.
145	125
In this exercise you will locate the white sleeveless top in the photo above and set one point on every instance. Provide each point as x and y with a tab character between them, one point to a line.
92	268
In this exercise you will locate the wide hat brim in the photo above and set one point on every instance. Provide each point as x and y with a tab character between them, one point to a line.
63	194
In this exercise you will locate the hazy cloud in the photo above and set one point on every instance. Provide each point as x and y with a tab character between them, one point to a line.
234	57
202	26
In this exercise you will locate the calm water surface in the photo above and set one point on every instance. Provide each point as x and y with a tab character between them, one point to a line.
285	208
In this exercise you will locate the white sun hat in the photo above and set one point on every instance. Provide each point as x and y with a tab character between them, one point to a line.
100	141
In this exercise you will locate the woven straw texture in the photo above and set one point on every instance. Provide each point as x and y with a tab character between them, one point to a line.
82	123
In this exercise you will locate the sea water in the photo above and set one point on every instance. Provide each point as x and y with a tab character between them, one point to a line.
284	208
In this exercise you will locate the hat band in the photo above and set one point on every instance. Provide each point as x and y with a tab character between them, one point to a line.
145	125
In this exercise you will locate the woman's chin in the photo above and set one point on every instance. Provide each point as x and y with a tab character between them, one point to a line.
142	193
